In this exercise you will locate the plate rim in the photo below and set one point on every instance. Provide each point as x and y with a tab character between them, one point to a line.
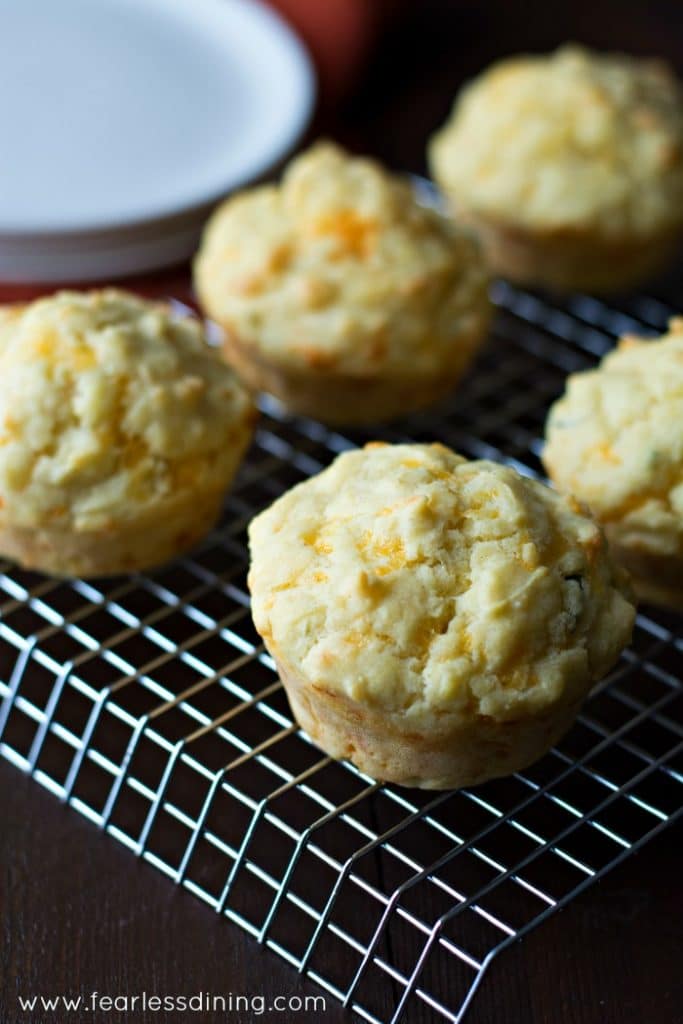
201	202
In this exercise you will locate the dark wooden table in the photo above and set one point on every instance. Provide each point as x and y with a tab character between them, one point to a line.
79	914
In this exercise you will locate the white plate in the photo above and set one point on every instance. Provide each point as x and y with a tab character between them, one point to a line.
117	113
77	258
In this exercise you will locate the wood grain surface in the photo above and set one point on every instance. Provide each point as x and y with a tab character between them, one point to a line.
79	913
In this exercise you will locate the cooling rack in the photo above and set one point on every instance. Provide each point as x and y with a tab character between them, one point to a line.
149	705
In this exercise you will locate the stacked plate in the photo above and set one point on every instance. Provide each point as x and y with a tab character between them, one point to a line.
124	121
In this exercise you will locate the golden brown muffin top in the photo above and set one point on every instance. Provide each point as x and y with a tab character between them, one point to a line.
566	141
408	578
109	403
615	440
339	268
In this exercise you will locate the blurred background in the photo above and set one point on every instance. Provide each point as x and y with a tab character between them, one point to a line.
389	69
387	73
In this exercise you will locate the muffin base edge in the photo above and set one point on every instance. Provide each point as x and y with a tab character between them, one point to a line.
570	261
342	399
466	754
130	547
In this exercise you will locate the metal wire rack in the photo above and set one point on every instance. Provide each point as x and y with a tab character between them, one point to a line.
149	704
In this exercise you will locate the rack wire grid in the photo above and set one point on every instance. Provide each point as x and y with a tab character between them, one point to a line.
149	704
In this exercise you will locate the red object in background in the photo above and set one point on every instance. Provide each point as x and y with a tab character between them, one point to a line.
339	34
174	282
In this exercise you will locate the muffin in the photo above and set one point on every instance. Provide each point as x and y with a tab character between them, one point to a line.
119	432
436	621
339	293
615	441
570	167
